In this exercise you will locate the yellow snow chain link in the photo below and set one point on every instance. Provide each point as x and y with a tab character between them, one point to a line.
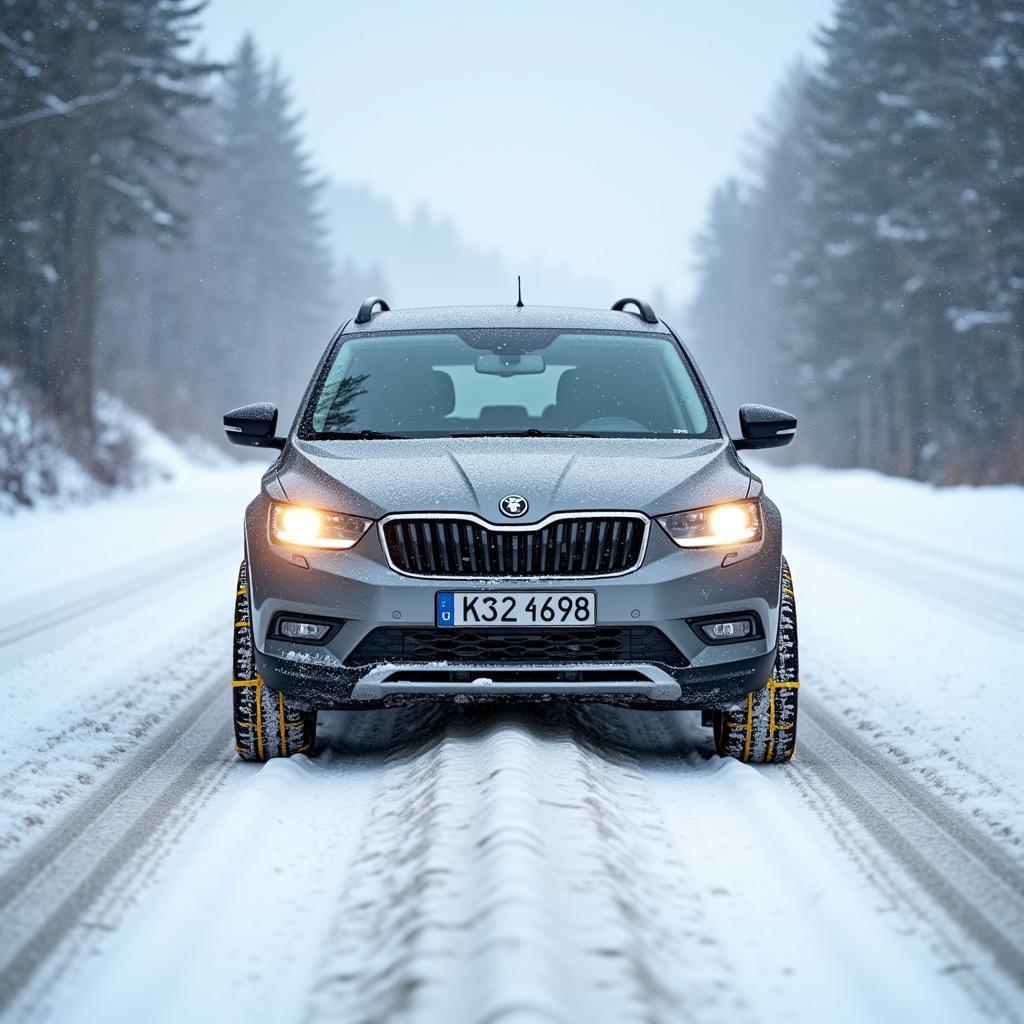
750	726
284	728
259	720
771	721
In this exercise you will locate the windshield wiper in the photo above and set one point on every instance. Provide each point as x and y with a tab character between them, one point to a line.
363	435
537	432
528	432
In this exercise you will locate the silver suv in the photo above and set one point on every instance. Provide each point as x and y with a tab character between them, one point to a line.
512	504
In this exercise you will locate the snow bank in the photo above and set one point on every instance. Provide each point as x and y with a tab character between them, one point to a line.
54	545
977	523
34	465
140	590
908	597
44	465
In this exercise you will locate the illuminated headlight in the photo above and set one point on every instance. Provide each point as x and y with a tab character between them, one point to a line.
315	528
735	523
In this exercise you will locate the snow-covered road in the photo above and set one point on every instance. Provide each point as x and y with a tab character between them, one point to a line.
545	864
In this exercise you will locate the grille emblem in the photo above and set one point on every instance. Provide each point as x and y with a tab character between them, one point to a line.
513	506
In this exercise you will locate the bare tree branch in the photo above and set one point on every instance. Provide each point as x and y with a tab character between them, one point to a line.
56	107
16	48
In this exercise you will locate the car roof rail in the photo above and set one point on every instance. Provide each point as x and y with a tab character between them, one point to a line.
646	313
365	313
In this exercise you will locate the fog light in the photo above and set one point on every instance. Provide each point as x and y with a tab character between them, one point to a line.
734	629
727	629
297	629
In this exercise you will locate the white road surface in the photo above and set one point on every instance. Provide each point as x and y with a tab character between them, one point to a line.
534	865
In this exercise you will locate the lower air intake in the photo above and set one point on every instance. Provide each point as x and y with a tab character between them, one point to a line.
604	644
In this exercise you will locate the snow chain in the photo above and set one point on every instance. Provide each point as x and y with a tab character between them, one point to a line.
762	730
265	725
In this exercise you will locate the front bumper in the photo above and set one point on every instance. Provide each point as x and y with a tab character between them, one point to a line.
639	685
359	588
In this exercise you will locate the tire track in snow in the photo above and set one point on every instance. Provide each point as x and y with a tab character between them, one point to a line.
130	704
903	544
44	894
897	894
515	870
227	928
522	866
78	598
992	606
800	940
965	876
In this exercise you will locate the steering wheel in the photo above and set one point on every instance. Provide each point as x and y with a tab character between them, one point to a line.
614	423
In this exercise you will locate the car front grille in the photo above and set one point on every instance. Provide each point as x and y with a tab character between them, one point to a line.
537	646
605	545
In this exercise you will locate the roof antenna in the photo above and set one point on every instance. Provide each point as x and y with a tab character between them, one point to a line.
519	304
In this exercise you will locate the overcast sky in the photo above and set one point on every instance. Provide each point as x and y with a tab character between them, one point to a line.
588	134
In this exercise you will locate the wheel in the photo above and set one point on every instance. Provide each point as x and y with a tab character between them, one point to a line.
266	724
762	730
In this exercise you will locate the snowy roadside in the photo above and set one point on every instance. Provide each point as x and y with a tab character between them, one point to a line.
118	610
544	864
908	599
537	865
972	528
50	547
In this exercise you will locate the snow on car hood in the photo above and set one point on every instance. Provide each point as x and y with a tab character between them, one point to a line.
375	478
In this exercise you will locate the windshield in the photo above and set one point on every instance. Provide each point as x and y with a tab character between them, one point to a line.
508	382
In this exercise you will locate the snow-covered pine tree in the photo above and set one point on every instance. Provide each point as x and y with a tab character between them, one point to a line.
241	307
846	280
741	321
894	281
244	247
718	320
88	90
1001	82
270	305
301	314
773	228
913	197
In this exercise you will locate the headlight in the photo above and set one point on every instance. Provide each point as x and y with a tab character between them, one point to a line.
314	527
735	523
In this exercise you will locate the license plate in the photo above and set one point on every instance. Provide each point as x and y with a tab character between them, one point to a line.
467	609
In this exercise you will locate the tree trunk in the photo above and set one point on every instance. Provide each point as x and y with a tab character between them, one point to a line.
865	424
904	462
72	371
74	329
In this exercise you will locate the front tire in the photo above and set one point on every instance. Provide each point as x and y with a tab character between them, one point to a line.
266	724
762	730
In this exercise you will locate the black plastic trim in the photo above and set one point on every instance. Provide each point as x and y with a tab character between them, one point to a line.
713	686
253	425
647	314
365	314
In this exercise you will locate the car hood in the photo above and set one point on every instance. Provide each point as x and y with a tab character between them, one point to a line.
375	478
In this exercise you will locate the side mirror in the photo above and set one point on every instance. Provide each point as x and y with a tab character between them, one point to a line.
254	425
765	427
